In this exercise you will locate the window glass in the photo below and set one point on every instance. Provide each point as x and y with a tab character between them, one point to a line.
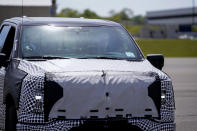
3	35
78	42
8	44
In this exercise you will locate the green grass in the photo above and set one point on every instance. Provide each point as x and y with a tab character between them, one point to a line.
194	28
169	48
133	29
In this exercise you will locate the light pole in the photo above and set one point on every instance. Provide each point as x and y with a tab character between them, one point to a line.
53	8
193	12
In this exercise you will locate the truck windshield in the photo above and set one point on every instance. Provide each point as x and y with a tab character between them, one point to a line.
103	42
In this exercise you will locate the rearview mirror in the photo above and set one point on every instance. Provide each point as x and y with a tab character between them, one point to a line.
2	59
157	60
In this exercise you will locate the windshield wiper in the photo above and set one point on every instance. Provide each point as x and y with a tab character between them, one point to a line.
100	57
46	57
108	57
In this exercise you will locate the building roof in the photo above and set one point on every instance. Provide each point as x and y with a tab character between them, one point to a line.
25	2
171	12
62	21
174	16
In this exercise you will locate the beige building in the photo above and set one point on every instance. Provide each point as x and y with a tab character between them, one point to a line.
30	8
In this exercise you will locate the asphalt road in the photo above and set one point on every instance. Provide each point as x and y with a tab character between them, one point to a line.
183	72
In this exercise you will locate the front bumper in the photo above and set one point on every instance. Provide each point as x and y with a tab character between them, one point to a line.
65	125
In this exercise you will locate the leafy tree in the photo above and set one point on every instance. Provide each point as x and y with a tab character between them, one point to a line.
128	12
89	14
112	12
124	15
68	12
138	19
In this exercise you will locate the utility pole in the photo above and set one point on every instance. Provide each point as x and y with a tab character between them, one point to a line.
53	8
193	12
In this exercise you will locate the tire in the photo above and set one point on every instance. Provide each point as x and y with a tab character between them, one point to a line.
11	117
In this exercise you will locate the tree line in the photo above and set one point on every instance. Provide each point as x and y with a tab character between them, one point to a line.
125	14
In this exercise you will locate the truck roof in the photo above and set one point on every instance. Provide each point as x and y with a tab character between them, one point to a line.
60	21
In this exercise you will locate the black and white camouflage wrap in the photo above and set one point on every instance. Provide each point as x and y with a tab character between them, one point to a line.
2	106
33	84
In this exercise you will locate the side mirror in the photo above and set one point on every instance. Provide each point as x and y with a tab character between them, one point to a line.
2	59
157	60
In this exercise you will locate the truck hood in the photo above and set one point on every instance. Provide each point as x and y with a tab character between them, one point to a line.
98	88
34	67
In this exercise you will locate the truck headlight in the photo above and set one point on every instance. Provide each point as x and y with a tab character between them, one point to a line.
163	97
38	97
39	102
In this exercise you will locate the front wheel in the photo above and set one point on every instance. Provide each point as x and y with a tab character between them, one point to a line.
11	117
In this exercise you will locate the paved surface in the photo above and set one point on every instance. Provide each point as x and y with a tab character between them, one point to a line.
183	72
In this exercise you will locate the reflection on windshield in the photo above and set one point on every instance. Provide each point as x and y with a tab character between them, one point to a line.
77	42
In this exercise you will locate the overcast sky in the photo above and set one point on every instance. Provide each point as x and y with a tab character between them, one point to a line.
102	7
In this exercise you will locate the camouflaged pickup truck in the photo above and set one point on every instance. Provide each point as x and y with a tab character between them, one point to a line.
80	74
